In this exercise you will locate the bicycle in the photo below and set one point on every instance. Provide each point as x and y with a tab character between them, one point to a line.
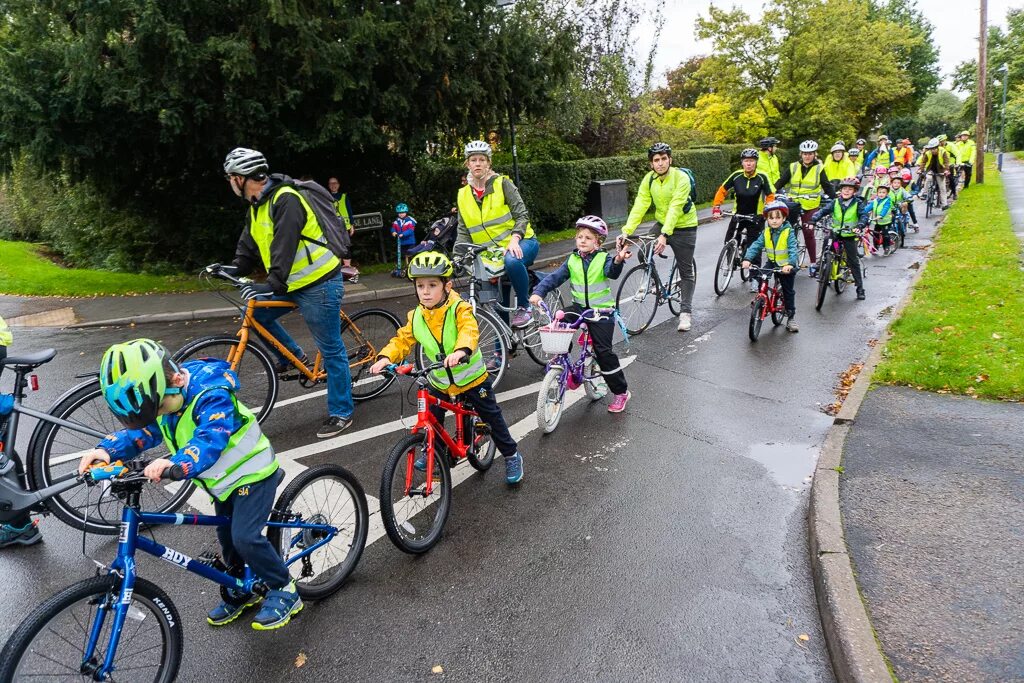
767	301
565	373
642	286
364	333
832	267
76	422
880	234
730	257
930	195
117	622
414	503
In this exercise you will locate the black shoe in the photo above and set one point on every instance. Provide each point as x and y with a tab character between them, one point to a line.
333	426
860	295
286	366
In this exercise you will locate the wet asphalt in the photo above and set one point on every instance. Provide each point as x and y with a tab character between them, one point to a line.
665	543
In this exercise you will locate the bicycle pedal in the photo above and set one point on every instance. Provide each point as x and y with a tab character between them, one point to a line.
291	377
212	559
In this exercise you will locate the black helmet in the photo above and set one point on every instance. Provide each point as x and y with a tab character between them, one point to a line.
659	148
748	153
768	142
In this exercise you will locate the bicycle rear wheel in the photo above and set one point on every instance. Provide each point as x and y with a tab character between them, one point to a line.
754	328
725	267
414	521
894	242
550	400
481	452
325	494
593	381
50	643
824	279
365	334
637	298
675	294
257	378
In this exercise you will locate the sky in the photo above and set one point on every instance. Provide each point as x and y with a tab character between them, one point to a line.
955	22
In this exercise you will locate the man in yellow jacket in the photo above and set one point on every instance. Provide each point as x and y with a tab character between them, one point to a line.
966	152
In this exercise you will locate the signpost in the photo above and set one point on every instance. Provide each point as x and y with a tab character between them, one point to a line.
369	222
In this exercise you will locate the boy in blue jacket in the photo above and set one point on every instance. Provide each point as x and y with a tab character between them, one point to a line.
778	242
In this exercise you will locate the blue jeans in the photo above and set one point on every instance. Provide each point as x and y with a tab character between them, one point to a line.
515	269
320	305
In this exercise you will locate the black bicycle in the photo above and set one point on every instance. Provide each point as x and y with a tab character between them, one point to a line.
730	257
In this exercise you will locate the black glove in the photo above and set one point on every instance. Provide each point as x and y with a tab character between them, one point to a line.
256	290
229	270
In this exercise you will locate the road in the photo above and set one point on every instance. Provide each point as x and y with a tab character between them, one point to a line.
665	543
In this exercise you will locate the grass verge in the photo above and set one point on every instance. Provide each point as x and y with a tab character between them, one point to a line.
962	331
24	271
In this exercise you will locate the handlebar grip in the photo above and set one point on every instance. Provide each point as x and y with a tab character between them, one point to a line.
174	473
404	369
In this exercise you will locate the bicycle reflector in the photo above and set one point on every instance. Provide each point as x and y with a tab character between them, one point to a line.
33	382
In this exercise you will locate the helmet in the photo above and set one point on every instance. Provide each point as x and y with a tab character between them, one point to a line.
245	162
840	142
748	153
402	208
849	182
768	142
838	147
430	264
906	176
905	141
808	146
595	223
477	147
659	148
965	132
133	380
776	206
883	137
943	138
882	187
854	152
932	144
862	141
895	171
881	170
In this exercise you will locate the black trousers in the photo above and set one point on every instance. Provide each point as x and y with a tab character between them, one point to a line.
481	397
243	542
967	174
601	333
853	260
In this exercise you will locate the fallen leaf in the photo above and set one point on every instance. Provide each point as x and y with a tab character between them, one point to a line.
438	669
300	660
981	378
937	330
996	336
804	637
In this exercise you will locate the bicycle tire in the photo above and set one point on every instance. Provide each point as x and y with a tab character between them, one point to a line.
724	269
54	452
481	453
409	447
257	379
18	660
531	336
675	293
551	400
777	315
641	284
824	279
596	388
754	328
306	498
368	331
894	242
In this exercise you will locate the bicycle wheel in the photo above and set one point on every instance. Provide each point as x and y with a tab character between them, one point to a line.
531	335
413	520
54	452
842	273
325	494
675	295
777	315
824	278
481	452
550	400
894	243
754	328
50	643
928	203
365	333
593	381
637	298
257	379
725	269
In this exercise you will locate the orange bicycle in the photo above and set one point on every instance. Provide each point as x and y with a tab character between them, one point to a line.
365	333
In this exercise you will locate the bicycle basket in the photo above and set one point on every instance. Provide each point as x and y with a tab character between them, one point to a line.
487	292
489	264
555	339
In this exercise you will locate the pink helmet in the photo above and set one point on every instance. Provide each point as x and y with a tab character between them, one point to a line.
595	223
907	175
881	170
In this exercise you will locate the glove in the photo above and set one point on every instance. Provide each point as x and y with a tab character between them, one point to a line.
256	290
229	270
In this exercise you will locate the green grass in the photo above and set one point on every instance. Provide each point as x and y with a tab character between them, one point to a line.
24	271
962	331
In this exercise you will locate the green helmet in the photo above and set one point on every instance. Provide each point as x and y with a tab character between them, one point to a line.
943	138
133	381
430	264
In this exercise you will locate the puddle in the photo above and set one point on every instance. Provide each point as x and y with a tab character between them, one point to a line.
790	464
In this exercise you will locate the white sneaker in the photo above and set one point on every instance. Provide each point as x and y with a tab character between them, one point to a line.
684	322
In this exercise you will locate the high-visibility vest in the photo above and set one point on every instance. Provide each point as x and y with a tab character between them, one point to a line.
312	261
461	375
777	251
839	170
247	458
6	338
806	184
490	221
341	205
590	288
769	165
844	221
878	206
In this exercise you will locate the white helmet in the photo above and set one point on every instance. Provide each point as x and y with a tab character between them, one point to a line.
838	147
808	146
932	144
477	147
245	162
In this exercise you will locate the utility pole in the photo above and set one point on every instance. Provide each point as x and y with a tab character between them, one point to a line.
979	172
1004	75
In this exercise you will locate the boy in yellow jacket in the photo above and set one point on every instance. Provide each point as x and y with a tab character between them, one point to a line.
444	325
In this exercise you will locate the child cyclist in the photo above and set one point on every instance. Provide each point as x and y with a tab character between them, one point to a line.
444	325
881	211
590	271
778	241
192	408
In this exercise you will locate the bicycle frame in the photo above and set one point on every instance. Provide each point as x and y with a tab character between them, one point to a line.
425	421
772	294
645	254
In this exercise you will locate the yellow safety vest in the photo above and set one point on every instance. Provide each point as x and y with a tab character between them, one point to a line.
839	170
6	338
341	205
769	165
806	184
777	252
489	221
844	221
461	375
590	288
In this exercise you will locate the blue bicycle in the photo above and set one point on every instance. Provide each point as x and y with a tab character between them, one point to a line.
118	626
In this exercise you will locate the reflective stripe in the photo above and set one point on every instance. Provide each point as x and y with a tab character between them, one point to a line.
841	220
326	256
590	288
463	374
778	251
489	220
806	184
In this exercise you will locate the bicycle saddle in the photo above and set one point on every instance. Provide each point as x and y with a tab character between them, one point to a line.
29	361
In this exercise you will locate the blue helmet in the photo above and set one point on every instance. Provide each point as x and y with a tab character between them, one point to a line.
402	208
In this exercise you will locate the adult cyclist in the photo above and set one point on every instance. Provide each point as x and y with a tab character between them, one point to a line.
966	151
669	189
767	160
752	191
807	180
283	236
935	161
839	165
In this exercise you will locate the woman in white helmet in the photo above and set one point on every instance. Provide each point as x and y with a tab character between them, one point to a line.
807	181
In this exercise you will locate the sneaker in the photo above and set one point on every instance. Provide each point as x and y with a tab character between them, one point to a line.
333	426
522	317
514	469
232	608
790	325
283	366
860	295
754	286
619	402
685	321
813	270
28	534
278	608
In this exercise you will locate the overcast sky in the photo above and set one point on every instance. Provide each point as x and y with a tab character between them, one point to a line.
955	22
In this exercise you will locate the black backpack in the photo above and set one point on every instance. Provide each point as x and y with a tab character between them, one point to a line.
332	225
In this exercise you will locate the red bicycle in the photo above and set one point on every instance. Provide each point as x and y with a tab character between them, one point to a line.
767	301
416	486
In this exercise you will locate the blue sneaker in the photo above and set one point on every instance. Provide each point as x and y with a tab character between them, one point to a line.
813	270
28	534
278	608
232	608
514	469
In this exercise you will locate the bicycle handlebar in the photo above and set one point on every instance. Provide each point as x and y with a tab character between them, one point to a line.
119	471
216	270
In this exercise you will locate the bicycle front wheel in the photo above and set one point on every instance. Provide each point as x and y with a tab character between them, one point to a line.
725	267
54	453
550	400
637	299
824	279
50	643
257	378
365	334
412	519
754	328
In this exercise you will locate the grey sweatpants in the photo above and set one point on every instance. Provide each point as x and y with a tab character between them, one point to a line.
683	242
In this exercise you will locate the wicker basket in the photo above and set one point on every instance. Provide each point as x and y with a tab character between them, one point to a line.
555	340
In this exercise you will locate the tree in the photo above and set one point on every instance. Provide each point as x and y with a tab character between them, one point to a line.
919	58
685	84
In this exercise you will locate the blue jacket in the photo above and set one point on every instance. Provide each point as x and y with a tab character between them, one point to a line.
826	210
405	230
881	207
869	160
757	246
214	415
557	278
